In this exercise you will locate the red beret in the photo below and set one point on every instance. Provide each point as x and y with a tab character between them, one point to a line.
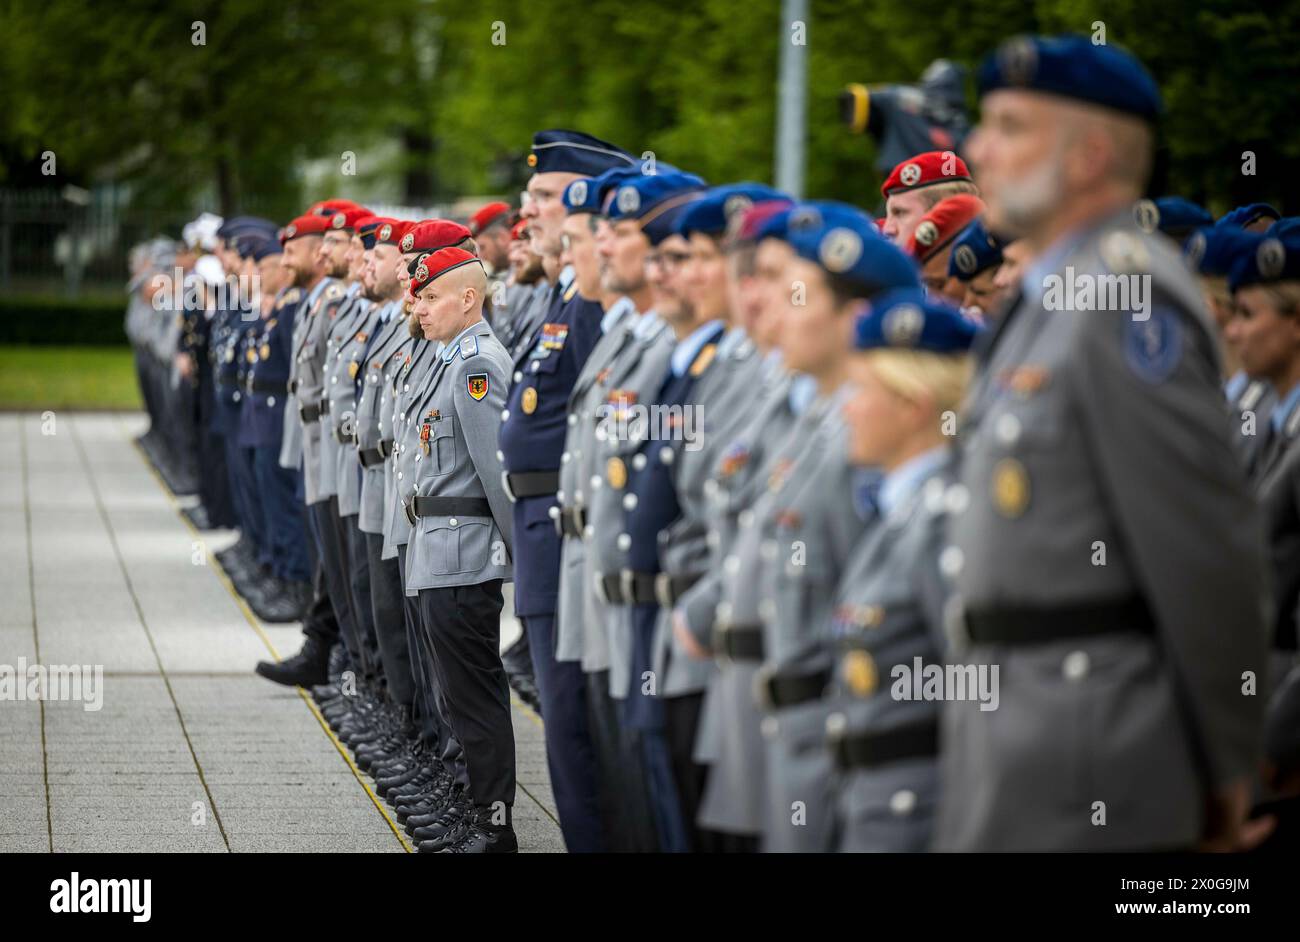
752	219
433	234
925	170
349	218
436	264
390	231
520	230
309	224
486	216
330	207
943	223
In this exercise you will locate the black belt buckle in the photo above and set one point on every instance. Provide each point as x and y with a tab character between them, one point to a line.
627	585
664	590
385	447
409	507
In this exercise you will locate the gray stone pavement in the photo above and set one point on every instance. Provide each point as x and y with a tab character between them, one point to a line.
190	751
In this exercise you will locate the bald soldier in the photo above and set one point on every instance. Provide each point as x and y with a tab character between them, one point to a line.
1105	550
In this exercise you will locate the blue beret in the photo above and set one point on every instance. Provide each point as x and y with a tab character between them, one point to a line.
908	318
1212	250
1072	67
575	152
1243	216
1174	216
257	247
846	242
655	200
713	212
973	251
1261	258
1285	226
236	225
588	194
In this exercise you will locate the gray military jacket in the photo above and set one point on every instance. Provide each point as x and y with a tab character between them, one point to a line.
887	628
307	379
577	464
1100	472
340	333
374	433
457	420
411	380
342	394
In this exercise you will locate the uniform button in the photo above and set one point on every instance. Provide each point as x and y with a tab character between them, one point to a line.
588	532
624	542
418	457
1007	429
451	522
951	560
573	419
334	379
731	564
638	462
406	388
902	802
934	495
666	454
559	495
553	511
1075	666
399	475
505	415
629	502
595	481
519	374
270	400
500	456
564	458
836	723
957	498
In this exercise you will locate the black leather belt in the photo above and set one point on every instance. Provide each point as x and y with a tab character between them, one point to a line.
777	691
266	386
1058	623
386	446
572	521
670	588
345	438
418	507
532	484
865	750
738	642
610	588
324	407
309	413
371	457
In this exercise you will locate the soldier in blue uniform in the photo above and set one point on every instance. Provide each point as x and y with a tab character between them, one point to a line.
533	427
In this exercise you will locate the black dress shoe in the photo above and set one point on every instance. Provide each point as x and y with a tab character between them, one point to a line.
482	838
278	604
304	669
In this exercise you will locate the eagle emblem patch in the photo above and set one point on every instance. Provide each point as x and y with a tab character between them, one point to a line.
477	385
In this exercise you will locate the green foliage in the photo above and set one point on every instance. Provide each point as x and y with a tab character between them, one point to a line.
120	91
43	320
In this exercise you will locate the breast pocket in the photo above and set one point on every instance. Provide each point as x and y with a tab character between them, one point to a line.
455	549
439	449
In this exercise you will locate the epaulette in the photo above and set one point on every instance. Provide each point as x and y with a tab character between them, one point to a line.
291	296
703	358
468	347
1124	253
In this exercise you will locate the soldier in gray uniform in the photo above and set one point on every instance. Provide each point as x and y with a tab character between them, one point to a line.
810	512
459	550
909	368
1108	560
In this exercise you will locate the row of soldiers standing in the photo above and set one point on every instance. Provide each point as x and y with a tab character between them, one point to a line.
825	532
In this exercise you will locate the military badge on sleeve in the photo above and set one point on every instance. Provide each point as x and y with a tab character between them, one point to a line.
477	385
1154	347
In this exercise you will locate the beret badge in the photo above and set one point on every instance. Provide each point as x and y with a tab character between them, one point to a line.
290	231
1018	59
384	232
578	192
735	204
927	232
629	200
840	250
422	271
408	242
1147	215
532	160
805	217
910	175
966	261
902	326
1270	258
338	220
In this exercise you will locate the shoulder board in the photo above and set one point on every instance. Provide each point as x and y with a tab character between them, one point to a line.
572	290
1292	426
334	291
1124	252
1250	397
704	358
468	347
